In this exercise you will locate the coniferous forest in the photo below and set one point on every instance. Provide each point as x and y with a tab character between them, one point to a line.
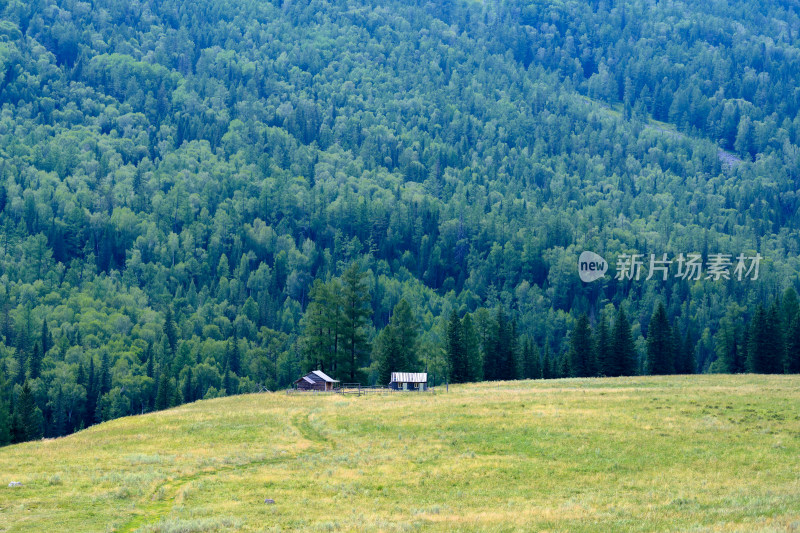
212	197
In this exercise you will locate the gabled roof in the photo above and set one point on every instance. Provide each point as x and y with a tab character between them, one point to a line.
308	379
409	377
324	376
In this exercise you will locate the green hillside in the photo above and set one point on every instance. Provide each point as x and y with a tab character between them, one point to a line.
206	198
699	453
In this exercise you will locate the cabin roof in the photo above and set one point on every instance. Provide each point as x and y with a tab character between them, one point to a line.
324	376
409	377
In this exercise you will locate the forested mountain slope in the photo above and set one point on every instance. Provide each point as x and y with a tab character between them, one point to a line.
175	176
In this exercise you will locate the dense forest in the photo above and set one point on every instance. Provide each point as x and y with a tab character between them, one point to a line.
212	197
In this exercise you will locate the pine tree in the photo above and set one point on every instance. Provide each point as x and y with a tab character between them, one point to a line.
776	340
29	416
232	355
59	415
35	362
660	349
728	348
171	331
388	354
455	350
92	390
5	423
689	358
491	355
356	311
530	360
547	365
164	394
105	374
188	386
793	346
602	347
47	339
623	351
580	353
764	350
472	349
5	411
406	327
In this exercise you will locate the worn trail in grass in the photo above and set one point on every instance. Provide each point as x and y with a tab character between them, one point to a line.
703	453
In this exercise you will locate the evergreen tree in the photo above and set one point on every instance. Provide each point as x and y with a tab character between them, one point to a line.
59	415
455	350
793	346
689	358
35	362
232	355
547	364
171	331
356	311
729	348
105	374
660	349
531	366
396	345
5	423
388	354
765	345
623	351
164	394
581	355
602	347
776	337
92	391
472	349
29	416
188	386
5	411
47	339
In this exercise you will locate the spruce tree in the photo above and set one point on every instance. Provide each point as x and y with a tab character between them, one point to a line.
547	365
472	350
356	311
580	353
105	374
164	394
188	386
764	350
35	362
29	416
92	390
776	344
232	355
47	339
689	358
388	354
602	347
455	351
171	331
793	346
623	351
406	328
660	352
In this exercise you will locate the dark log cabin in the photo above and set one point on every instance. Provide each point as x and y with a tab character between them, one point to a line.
316	380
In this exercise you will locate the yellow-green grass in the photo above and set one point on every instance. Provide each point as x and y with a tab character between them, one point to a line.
698	453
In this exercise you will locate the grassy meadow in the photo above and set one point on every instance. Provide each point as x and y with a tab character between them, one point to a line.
693	453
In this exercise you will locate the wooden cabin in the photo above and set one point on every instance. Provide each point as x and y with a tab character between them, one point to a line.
316	380
413	381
